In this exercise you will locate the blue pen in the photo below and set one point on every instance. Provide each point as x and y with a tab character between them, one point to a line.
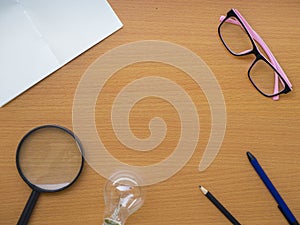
281	204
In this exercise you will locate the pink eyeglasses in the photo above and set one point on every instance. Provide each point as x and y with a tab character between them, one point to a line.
240	39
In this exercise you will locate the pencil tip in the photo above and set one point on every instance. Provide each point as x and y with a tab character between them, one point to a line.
250	156
204	191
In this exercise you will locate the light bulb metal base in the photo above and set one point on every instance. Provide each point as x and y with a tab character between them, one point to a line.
109	221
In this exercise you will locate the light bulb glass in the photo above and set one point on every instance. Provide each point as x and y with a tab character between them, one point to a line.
122	196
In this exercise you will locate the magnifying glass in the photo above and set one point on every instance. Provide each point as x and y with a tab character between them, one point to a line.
49	159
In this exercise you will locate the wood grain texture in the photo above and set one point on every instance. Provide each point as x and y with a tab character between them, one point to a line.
270	130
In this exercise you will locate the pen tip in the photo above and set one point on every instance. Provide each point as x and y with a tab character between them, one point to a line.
250	156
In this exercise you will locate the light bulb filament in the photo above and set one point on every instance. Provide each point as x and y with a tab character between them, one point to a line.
122	203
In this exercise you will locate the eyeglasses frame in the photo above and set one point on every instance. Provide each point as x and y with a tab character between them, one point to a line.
255	50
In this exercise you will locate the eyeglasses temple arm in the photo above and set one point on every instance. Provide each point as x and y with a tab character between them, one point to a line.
265	47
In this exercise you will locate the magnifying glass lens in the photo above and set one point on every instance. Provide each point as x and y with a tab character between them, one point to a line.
50	158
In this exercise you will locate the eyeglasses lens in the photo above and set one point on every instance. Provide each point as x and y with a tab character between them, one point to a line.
235	37
263	77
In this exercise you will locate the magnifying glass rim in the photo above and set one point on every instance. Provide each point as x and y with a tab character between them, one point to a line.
33	186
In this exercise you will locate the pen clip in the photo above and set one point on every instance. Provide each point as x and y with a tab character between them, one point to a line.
291	223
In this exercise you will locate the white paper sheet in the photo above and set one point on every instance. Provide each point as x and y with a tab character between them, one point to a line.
39	36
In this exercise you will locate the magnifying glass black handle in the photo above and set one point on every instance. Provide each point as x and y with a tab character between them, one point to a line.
24	218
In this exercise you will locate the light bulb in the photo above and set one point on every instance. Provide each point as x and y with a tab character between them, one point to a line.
122	196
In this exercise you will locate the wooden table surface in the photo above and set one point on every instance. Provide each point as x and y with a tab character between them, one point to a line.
269	129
